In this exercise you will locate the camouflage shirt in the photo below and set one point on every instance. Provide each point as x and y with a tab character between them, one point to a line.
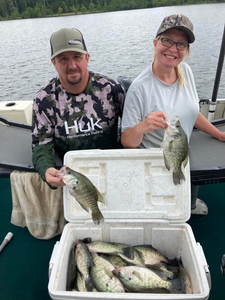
66	121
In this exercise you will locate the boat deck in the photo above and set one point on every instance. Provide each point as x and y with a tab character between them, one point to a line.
24	261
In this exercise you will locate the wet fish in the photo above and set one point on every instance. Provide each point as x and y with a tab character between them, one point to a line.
187	282
71	270
151	256
115	260
140	279
84	261
111	248
171	272
81	284
137	260
175	148
103	278
83	190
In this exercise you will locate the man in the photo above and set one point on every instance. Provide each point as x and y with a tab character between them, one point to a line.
77	110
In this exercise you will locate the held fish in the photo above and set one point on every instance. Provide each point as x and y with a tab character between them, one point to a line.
139	279
175	148
83	190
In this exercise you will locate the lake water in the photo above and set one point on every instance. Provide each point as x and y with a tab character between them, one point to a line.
119	43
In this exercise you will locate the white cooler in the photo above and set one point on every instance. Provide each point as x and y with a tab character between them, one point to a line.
142	206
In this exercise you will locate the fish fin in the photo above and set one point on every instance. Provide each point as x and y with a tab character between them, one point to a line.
83	206
166	162
97	217
87	240
177	177
185	160
89	284
177	286
128	252
173	262
100	197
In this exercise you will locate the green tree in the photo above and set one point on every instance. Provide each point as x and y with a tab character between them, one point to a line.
64	7
75	10
15	14
91	7
60	10
3	9
83	9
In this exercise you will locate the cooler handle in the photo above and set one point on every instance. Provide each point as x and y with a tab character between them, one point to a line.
204	263
53	258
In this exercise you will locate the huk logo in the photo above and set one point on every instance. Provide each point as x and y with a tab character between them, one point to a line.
78	127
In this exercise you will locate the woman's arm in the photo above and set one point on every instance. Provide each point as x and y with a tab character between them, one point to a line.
204	125
132	137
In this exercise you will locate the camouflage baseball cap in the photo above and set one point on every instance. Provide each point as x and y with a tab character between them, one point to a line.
67	39
180	22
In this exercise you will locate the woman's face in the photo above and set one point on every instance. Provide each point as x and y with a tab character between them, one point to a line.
170	57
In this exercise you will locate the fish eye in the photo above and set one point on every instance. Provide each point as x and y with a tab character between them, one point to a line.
129	278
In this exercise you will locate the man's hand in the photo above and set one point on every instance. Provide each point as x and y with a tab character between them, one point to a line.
50	176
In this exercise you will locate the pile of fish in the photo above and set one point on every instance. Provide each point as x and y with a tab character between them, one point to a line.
175	148
118	268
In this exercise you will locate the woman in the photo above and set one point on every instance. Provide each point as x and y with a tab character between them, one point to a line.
166	88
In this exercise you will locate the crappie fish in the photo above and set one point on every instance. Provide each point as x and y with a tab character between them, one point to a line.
71	270
175	148
151	256
83	190
137	260
187	282
140	279
111	248
81	284
84	262
115	260
103	278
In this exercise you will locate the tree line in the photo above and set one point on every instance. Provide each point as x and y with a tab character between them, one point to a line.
24	9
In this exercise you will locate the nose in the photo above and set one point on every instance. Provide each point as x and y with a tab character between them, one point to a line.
72	63
174	46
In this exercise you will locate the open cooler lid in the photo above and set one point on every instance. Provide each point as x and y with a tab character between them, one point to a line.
135	184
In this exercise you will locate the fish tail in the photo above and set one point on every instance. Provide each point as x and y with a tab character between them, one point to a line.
97	217
177	286
128	252
177	177
89	284
173	262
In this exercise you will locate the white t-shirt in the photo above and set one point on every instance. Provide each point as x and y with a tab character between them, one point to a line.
148	94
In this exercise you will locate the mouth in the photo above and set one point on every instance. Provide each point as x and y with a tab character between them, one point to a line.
169	56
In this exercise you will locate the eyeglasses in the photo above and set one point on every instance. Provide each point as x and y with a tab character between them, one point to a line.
169	43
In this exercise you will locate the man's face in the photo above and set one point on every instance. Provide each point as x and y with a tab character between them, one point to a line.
72	68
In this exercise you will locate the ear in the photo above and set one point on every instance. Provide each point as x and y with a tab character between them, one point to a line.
53	62
155	43
88	57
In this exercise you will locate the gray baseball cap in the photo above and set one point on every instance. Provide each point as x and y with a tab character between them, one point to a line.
180	22
67	39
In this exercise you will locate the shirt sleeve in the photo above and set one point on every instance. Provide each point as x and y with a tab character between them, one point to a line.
42	135
132	112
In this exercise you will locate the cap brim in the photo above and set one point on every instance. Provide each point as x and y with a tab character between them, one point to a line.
68	50
190	34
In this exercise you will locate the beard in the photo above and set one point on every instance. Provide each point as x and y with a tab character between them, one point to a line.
73	79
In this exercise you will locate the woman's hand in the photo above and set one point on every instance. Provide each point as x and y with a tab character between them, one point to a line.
155	120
